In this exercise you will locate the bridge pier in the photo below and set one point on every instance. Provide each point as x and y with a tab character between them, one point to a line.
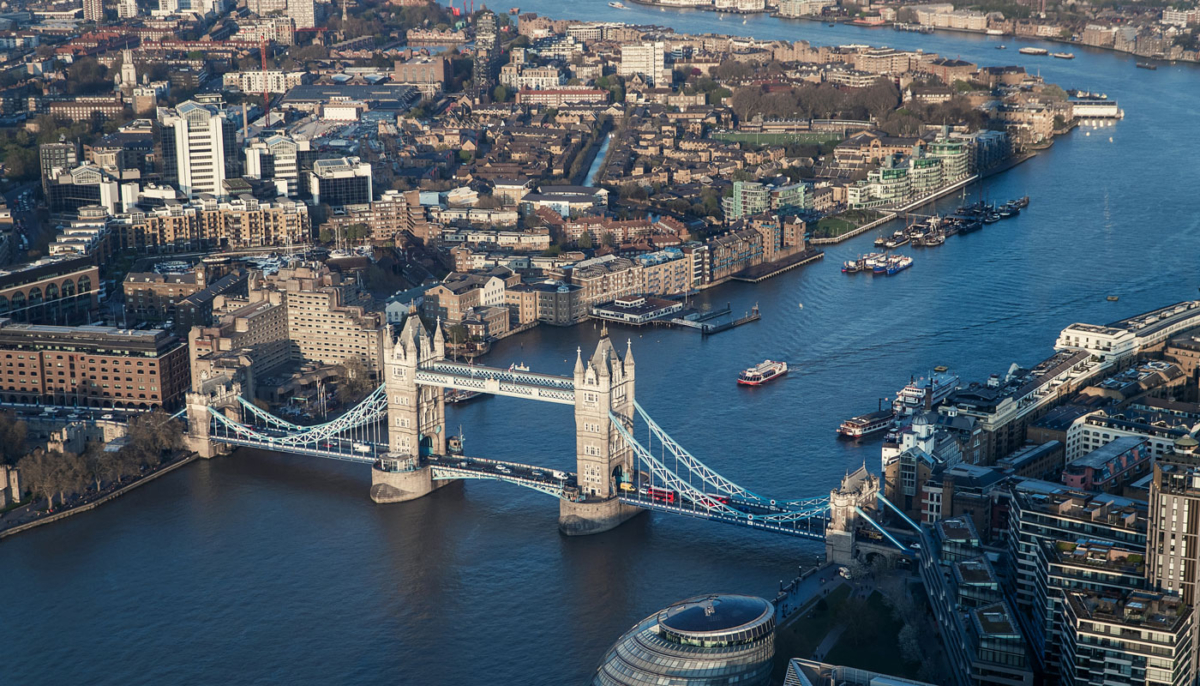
396	486
593	517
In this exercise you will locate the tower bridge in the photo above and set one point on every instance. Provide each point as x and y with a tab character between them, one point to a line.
625	462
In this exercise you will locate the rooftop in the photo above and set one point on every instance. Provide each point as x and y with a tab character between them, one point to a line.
1132	608
715	614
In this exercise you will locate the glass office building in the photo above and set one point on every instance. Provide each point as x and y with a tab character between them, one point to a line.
701	641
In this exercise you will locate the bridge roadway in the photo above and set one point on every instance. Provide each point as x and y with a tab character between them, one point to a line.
811	528
334	447
552	481
495	381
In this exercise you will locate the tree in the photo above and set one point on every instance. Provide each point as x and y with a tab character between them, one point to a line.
152	434
608	240
93	463
37	472
326	235
585	240
12	437
457	334
358	232
500	93
356	378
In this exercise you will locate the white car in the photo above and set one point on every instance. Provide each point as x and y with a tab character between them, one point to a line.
106	416
362	448
502	469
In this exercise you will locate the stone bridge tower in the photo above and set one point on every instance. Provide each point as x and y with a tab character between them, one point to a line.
416	416
858	490
603	384
219	395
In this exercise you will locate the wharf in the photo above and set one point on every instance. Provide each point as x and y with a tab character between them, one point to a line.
703	322
762	272
752	316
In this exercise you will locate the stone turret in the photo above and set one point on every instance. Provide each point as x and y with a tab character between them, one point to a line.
858	490
604	388
416	415
219	396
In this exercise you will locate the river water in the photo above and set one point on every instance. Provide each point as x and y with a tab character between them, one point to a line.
263	568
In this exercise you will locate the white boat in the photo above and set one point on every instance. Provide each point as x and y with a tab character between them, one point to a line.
762	373
617	6
912	398
1034	51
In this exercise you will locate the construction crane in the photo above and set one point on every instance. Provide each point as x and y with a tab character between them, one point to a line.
262	49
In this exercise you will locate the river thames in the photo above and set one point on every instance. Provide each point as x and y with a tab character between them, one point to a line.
261	568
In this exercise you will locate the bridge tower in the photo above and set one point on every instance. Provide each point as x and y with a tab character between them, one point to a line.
217	395
603	384
858	491
416	416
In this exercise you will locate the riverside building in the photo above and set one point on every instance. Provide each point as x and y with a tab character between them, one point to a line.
701	641
1130	637
92	366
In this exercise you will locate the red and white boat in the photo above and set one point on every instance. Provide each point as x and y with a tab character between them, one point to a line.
760	374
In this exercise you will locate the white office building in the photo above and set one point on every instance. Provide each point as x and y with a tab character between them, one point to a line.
199	148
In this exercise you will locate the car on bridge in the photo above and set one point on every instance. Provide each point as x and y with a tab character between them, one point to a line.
502	469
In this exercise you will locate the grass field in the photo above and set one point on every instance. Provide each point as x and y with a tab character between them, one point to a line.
832	227
776	138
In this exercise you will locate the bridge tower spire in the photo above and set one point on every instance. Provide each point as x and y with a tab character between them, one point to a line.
604	385
416	415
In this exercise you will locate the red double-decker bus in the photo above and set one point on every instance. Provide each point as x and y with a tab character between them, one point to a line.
661	495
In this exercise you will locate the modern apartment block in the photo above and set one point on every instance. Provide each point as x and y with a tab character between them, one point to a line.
206	223
303	13
1128	638
1069	565
1004	408
1040	514
648	60
983	641
1173	540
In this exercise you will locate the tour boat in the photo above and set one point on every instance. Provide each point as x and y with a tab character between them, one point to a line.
760	374
1034	51
1147	65
865	425
913	396
1063	55
617	6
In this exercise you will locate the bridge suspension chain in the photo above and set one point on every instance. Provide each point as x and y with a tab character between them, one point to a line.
704	471
800	510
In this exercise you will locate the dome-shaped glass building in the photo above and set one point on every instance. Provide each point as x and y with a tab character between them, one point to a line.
709	640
